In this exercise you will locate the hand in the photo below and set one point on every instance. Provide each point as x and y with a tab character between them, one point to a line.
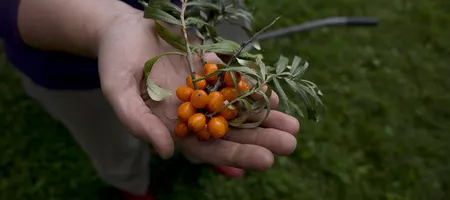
124	48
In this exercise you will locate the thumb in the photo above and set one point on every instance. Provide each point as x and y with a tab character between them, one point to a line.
134	113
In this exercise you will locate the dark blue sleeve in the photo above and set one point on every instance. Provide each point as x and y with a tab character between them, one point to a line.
8	18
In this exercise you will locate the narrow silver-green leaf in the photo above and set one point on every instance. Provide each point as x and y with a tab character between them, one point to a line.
281	64
297	109
295	64
155	92
175	41
262	104
283	97
304	91
248	63
150	63
245	70
256	45
299	90
311	89
158	14
300	70
166	6
226	47
238	12
204	15
194	21
212	31
268	109
234	79
204	4
262	68
237	122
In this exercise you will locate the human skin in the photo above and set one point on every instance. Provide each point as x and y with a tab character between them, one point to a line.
123	41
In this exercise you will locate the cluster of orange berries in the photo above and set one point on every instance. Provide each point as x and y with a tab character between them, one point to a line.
191	113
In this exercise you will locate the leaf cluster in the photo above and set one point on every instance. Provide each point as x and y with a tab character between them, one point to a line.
201	17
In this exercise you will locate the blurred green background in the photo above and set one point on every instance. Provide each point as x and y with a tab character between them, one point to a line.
384	136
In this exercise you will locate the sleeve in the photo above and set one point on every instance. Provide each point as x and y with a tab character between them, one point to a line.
8	18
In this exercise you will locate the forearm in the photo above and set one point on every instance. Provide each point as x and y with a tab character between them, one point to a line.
73	26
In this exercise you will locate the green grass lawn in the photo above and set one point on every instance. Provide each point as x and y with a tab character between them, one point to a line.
384	136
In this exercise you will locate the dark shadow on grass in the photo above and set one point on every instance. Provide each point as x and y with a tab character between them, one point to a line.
164	176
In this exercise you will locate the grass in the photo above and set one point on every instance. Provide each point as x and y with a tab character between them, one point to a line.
384	136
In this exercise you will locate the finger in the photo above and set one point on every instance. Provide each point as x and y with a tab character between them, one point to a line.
227	153
133	112
277	120
279	142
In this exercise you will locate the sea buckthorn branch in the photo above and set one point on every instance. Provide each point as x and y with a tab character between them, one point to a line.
188	49
222	90
239	51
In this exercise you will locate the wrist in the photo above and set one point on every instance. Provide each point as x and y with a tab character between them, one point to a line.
74	27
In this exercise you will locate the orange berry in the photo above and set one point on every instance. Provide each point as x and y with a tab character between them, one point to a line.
229	93
184	93
229	80
208	69
181	129
185	111
197	122
201	85
229	113
215	101
224	121
203	135
217	127
243	86
199	99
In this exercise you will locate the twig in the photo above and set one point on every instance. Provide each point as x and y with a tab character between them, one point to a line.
188	50
219	81
236	100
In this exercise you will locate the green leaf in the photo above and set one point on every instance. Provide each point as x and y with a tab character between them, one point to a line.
258	123
158	14
281	64
204	15
244	70
299	71
262	68
304	91
155	92
237	122
298	90
204	4
166	6
234	79
199	34
295	64
175	41
200	23
256	45
231	12
311	88
248	63
297	109
212	31
226	47
283	97
150	63
262	104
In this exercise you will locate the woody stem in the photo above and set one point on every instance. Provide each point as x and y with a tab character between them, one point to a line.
188	50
